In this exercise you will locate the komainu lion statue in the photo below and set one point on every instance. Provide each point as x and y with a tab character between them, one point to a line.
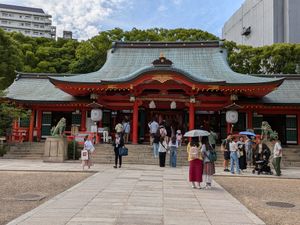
59	129
266	132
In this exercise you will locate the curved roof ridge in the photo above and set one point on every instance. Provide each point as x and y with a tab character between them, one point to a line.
146	69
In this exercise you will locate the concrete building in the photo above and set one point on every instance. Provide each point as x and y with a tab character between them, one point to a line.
67	34
264	22
29	21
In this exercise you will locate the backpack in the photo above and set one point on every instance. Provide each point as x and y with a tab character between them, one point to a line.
212	156
194	152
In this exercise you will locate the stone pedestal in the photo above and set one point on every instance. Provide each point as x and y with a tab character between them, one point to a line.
55	149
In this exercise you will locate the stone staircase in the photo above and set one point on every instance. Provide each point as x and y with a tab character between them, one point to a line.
138	154
291	156
142	154
25	150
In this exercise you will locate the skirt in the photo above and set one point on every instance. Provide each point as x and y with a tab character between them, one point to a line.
209	168
196	169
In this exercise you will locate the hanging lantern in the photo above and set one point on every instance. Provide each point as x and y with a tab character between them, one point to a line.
152	105
232	116
96	114
173	105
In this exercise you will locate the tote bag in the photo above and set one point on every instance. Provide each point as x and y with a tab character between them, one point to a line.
123	151
84	155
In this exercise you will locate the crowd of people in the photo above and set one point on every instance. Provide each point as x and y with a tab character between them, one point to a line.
240	152
249	151
163	139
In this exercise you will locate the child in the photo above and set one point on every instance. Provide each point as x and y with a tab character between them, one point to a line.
179	137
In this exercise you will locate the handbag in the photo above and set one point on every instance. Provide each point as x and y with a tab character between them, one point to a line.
238	153
84	155
123	151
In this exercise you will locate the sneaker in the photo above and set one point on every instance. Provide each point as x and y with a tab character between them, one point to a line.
226	170
199	187
115	167
119	166
193	186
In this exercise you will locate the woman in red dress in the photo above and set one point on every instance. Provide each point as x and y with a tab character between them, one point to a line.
196	163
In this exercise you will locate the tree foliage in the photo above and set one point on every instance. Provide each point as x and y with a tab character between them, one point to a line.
278	58
37	55
10	59
9	112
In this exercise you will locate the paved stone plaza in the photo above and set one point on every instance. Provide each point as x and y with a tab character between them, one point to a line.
134	194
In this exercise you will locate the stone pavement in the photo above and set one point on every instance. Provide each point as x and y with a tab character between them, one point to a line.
133	195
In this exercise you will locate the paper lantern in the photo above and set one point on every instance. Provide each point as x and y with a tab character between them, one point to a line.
232	116
96	114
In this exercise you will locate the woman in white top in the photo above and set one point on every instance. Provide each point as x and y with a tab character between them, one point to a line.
88	146
162	150
277	151
234	159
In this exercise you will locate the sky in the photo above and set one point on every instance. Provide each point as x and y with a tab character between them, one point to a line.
86	18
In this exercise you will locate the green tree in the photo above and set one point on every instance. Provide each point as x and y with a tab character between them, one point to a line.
9	112
278	58
10	59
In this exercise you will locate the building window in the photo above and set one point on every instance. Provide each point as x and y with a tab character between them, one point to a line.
21	16
27	17
41	33
42	26
27	24
27	31
36	18
4	14
4	22
36	33
291	129
22	24
256	122
36	25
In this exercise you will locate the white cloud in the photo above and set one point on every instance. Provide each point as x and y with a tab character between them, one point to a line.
83	17
162	8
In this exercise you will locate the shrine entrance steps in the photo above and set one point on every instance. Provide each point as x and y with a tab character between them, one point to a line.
138	154
25	150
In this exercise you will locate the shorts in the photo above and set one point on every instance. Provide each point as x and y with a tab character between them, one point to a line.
226	155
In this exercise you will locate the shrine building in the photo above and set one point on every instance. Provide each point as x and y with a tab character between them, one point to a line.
187	84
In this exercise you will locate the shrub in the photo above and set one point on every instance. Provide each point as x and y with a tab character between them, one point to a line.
73	148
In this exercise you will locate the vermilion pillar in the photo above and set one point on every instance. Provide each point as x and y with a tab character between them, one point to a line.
135	122
191	116
249	119
31	126
39	124
83	120
229	125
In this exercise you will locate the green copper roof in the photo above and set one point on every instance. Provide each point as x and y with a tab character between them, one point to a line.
287	93
38	89
200	61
